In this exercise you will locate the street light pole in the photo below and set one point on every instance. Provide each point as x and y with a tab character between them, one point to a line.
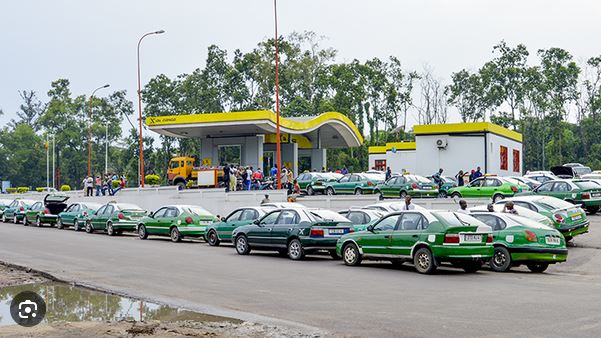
90	128
106	149
141	164
277	100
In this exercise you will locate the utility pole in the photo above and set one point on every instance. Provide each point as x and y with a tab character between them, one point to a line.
53	163
47	163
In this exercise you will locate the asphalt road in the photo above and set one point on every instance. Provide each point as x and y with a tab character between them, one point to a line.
371	300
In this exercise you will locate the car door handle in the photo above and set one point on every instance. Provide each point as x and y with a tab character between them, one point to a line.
269	229
289	229
414	236
387	236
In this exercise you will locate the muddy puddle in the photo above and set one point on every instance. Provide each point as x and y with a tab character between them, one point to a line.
75	304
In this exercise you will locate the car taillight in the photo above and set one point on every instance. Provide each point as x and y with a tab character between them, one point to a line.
189	220
22	209
559	218
351	230
586	195
489	238
530	236
85	214
451	239
316	233
370	183
414	186
514	188
120	216
46	211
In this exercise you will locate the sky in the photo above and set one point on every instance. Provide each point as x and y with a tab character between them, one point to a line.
93	43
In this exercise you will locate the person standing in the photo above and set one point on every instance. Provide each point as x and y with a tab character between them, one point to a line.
249	175
274	171
478	173
90	186
109	185
344	171
459	178
226	177
471	177
437	177
388	173
463	207
265	200
98	185
290	180
233	177
284	178
408	205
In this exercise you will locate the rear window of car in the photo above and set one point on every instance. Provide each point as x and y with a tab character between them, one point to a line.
457	219
527	222
587	184
553	203
196	211
327	215
419	179
127	206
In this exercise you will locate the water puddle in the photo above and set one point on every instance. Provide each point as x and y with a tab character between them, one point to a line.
76	304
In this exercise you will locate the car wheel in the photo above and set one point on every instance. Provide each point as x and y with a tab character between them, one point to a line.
142	232
334	255
212	238
110	230
175	235
59	224
310	191
471	267
592	210
330	191
3	218
38	222
25	221
15	220
295	250
181	186
442	194
242	247
538	267
501	260
358	192
497	197
424	261
403	194
75	225
89	228
455	195
351	255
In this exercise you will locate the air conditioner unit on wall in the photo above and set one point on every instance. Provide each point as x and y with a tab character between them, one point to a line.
442	143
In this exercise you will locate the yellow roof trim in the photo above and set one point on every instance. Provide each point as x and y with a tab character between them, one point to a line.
302	141
470	127
253	116
376	150
401	145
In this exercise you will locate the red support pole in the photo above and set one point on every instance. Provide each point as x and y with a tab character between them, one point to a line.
278	150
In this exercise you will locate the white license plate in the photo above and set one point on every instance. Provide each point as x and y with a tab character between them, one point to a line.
596	194
472	238
427	188
576	217
552	240
336	231
204	222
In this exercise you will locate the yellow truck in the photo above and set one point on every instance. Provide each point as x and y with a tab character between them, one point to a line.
185	169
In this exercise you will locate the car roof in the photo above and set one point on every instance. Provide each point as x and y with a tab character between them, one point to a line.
283	205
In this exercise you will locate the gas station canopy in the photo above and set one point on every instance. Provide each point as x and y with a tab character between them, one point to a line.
329	130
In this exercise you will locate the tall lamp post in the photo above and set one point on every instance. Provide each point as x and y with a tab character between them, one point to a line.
278	150
90	129
141	164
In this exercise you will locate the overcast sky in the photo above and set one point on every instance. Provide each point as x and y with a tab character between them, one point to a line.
94	42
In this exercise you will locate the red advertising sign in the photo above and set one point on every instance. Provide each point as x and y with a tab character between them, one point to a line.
516	160
504	160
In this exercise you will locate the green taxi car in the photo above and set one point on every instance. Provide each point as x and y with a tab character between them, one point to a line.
114	218
36	209
567	218
518	240
314	182
362	218
46	212
15	210
222	231
76	214
493	187
357	184
576	191
426	238
177	222
3	205
293	232
403	185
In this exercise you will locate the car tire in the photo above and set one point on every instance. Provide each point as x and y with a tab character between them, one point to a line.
142	234
25	221
537	267
175	235
15	220
497	197
38	222
181	186
241	244
4	218
442	194
592	210
330	191
358	192
351	255
212	238
75	225
295	250
471	267
403	194
110	230
310	191
424	261
59	224
455	195
89	227
334	255
501	259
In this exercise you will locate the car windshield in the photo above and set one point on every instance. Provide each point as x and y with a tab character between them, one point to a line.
174	164
551	203
127	206
587	185
581	170
417	178
527	222
454	219
327	215
196	210
511	180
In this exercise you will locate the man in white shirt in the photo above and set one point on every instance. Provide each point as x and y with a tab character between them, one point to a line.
408	205
463	207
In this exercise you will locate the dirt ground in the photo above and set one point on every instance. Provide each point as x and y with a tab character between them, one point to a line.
11	276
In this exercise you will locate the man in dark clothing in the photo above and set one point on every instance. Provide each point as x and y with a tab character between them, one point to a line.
226	177
388	173
437	178
478	173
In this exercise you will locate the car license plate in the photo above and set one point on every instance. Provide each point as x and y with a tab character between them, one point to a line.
204	222
596	194
472	238
552	240
427	188
336	231
576	217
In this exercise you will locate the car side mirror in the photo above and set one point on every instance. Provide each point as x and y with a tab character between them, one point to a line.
256	222
370	228
223	219
151	214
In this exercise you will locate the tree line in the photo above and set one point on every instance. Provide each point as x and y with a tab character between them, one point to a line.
549	97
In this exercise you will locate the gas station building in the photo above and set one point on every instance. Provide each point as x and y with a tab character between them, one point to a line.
248	138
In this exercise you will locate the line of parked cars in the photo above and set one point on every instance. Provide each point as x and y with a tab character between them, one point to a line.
536	236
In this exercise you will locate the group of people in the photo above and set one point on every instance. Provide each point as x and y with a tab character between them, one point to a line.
103	186
460	176
509	207
254	178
